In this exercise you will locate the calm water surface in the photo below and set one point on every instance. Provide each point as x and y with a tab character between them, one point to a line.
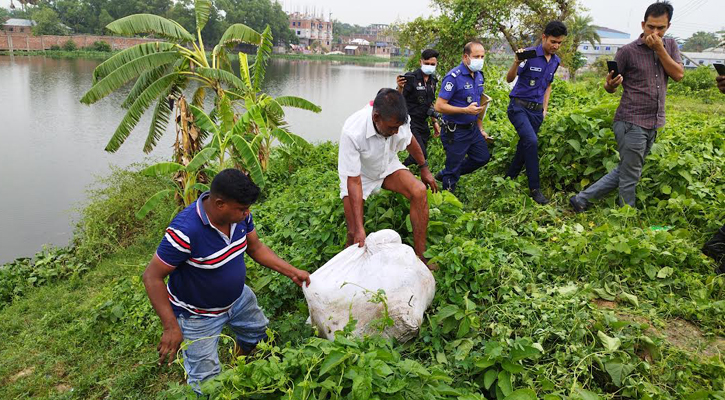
51	145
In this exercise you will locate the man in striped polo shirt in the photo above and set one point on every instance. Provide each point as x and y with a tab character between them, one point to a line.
202	253
645	66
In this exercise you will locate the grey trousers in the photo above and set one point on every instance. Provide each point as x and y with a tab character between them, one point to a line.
634	144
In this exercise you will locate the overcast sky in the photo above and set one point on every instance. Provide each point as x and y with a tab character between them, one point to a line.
625	15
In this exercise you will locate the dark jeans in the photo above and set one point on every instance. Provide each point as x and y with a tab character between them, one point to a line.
466	151
634	144
527	124
421	132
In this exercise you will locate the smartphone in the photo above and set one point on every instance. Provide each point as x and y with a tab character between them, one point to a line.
526	54
612	66
720	68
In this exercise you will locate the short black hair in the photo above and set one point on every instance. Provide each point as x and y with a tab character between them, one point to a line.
233	184
659	8
390	104
555	29
427	54
467	49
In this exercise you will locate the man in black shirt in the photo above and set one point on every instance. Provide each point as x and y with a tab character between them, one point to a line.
418	88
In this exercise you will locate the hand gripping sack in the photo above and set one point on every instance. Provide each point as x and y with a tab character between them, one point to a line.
343	288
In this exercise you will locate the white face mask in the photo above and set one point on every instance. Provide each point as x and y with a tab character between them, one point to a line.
428	69
476	64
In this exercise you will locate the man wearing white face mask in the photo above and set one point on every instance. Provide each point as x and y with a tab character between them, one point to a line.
418	88
459	100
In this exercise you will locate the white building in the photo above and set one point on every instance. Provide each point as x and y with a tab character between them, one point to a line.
607	47
706	57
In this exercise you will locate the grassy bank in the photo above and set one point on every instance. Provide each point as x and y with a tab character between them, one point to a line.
531	301
82	54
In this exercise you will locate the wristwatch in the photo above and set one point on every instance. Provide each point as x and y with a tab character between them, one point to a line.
425	164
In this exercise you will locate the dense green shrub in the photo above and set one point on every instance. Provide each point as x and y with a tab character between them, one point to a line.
100	45
69	45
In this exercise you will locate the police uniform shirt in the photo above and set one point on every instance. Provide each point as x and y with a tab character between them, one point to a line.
419	95
460	89
535	76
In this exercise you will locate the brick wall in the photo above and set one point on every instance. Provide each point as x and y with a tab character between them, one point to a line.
24	42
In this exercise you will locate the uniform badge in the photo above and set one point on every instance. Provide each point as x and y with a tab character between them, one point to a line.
448	87
469	99
468	86
532	82
536	69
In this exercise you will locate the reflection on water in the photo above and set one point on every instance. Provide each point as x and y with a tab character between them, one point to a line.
52	145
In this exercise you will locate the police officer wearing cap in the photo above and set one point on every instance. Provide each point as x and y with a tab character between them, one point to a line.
459	99
530	101
418	88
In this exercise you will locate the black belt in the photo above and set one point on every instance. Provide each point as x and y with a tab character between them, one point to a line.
529	105
454	127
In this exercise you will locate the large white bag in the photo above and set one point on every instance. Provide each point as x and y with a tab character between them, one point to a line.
344	286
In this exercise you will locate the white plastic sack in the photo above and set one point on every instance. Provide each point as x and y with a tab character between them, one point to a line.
344	286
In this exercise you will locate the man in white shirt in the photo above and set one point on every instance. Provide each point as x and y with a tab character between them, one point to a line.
368	161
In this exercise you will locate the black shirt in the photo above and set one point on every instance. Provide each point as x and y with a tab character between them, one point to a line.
419	95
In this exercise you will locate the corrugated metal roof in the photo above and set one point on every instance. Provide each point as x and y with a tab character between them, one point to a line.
19	22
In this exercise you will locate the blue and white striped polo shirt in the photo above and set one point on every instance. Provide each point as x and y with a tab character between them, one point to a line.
209	267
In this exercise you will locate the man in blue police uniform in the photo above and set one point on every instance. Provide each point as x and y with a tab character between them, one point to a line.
463	137
419	89
530	101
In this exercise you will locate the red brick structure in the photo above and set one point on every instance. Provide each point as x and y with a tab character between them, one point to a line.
24	42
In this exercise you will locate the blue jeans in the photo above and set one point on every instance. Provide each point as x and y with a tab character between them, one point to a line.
527	124
201	358
466	151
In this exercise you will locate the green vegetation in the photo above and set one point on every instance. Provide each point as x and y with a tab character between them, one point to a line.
531	301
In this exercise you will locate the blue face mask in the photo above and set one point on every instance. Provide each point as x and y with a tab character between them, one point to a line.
476	64
428	69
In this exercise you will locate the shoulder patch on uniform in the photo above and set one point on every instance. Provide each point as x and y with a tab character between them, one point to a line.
448	87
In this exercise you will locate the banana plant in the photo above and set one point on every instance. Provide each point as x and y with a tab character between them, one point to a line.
263	120
186	185
163	70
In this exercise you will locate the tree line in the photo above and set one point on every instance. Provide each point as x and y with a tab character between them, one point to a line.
56	17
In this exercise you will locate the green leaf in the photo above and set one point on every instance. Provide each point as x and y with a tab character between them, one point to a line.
142	83
518	354
249	158
137	109
484	363
297	102
164	168
264	51
244	70
629	298
575	144
583	394
665	272
332	360
618	371
201	158
124	74
362	386
240	33
489	378
511	367
201	187
160	119
610	343
522	394
202	120
136	24
504	382
221	76
666	189
202	9
125	56
153	202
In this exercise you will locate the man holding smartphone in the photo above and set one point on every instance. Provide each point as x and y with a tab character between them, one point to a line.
535	68
419	89
463	137
644	66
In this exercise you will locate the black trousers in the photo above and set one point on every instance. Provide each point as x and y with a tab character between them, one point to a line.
421	133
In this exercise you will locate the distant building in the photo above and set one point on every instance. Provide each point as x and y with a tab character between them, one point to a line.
611	33
611	41
705	57
310	29
18	25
